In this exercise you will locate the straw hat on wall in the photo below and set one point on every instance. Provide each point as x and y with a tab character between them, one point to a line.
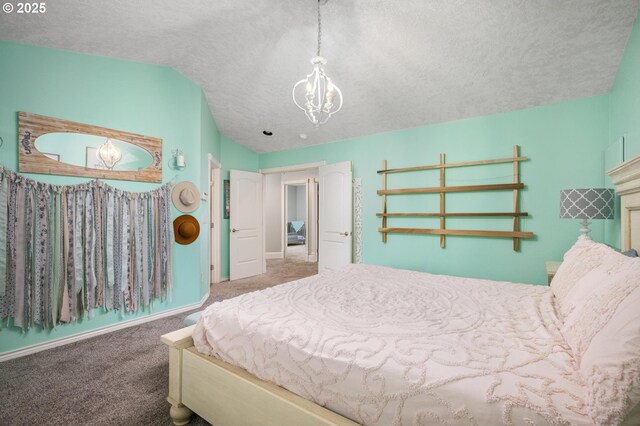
185	196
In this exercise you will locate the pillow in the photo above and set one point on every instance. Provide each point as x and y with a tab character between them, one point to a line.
584	256
596	296
603	332
581	292
191	319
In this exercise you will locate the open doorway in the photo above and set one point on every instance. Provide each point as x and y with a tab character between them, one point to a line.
331	218
296	222
291	219
300	228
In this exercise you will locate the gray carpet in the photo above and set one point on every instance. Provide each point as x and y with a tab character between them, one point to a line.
120	378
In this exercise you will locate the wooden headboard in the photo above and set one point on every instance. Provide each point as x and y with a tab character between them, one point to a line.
626	178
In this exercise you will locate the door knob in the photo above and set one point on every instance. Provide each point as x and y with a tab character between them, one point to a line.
346	234
234	230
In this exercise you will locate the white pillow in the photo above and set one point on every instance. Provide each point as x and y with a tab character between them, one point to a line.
583	257
609	260
603	331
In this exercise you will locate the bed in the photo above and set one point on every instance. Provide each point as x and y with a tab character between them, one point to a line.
296	233
357	346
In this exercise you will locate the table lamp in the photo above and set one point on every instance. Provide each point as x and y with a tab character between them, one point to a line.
585	204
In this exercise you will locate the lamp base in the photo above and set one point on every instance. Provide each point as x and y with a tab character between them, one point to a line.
584	228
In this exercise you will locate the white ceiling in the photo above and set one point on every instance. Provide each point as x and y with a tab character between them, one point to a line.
399	64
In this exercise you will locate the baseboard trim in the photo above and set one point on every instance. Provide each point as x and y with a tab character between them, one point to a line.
274	255
38	347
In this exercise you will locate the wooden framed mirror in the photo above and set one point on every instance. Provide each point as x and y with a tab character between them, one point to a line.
59	147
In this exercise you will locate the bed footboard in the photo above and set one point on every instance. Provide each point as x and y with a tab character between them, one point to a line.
177	341
226	395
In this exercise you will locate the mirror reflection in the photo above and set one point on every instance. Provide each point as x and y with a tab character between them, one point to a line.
92	151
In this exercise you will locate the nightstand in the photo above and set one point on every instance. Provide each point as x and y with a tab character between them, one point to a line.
552	267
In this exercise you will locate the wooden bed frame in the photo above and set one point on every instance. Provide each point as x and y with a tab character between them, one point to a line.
226	395
626	178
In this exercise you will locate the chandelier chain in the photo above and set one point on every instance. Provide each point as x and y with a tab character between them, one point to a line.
319	29
316	94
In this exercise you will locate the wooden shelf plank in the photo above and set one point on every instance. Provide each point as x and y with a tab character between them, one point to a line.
384	200
442	216
465	232
464	188
447	165
516	202
478	214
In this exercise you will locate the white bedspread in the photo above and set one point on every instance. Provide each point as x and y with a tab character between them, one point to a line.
386	346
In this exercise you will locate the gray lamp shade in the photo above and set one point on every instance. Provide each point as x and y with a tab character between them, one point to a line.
588	203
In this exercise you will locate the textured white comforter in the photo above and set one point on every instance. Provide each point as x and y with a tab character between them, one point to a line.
386	346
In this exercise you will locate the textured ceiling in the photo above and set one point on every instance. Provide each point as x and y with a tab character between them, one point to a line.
399	64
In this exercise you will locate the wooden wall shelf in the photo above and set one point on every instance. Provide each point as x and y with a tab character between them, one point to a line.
443	189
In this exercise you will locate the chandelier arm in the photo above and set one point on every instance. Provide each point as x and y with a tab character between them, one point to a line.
293	93
317	89
339	92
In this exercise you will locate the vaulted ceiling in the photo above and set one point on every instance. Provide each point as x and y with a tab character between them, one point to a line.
399	64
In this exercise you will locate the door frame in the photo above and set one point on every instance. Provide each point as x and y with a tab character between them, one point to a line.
215	196
280	170
285	211
292	168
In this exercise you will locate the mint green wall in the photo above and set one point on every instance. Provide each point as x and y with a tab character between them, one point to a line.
624	112
237	157
210	145
230	155
564	143
134	97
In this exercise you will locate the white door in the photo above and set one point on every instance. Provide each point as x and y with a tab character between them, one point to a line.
245	241
335	219
312	220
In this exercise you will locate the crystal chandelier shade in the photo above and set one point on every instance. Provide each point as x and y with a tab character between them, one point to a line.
109	154
316	94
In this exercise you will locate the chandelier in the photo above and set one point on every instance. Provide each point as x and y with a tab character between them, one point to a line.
316	94
109	154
